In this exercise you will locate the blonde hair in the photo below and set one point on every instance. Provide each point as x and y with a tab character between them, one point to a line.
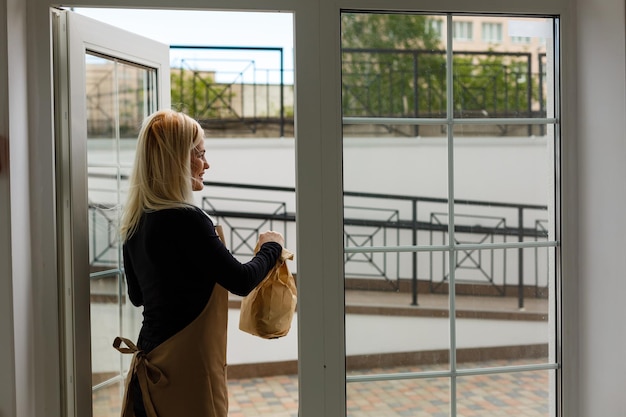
161	174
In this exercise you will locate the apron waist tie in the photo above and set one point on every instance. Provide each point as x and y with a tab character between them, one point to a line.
143	369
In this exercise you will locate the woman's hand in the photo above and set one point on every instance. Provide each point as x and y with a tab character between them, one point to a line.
271	236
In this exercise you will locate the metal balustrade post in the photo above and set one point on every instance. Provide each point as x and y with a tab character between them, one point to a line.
520	266
416	103
414	230
529	87
282	95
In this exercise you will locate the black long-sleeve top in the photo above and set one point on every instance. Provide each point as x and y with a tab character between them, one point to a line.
172	263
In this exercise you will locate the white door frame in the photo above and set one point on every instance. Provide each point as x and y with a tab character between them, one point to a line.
76	36
318	153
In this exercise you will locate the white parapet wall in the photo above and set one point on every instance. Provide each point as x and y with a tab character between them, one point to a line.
499	169
365	335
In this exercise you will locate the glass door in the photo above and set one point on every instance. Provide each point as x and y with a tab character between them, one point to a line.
109	81
450	157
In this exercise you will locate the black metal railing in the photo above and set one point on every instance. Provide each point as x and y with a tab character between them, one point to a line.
247	95
412	83
246	98
375	219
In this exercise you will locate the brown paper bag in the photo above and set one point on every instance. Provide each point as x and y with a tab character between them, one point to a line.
268	310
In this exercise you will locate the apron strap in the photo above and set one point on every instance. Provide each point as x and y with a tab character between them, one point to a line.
117	344
145	372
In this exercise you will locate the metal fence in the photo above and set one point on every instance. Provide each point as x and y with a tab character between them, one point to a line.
372	219
236	95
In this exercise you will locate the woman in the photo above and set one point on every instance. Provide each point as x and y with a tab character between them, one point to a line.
179	270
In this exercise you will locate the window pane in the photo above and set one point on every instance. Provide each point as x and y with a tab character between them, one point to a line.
105	302
101	96
119	96
399	309
463	30
393	190
525	394
235	93
275	396
401	74
495	79
107	400
504	182
239	91
520	39
492	32
395	172
397	398
103	217
504	305
384	330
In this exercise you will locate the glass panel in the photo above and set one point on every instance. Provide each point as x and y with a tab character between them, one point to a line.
496	75
119	96
107	401
232	86
104	212
504	192
408	397
105	326
504	305
238	91
394	189
397	322
275	396
393	65
498	177
399	208
101	97
525	394
382	332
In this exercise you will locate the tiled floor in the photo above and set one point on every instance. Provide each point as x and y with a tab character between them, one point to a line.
523	394
495	395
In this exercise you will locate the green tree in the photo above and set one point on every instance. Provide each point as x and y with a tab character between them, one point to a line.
498	85
387	59
196	93
394	66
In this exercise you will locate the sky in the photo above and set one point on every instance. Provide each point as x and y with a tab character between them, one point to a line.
212	28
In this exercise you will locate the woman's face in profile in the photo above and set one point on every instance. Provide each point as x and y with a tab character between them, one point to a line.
199	164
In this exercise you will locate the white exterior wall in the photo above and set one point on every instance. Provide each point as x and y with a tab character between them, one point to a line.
403	167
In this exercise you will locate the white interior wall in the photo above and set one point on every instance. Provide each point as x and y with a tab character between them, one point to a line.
15	238
23	312
7	352
601	126
33	288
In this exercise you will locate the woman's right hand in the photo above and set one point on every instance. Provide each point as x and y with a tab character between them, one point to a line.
271	236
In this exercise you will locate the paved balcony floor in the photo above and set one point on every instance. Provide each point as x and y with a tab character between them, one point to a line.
522	393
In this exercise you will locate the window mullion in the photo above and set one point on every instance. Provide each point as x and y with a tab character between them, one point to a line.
452	253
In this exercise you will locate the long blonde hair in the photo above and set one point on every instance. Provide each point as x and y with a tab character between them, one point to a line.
161	174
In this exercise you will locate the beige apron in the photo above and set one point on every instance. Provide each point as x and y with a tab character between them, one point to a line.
186	374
